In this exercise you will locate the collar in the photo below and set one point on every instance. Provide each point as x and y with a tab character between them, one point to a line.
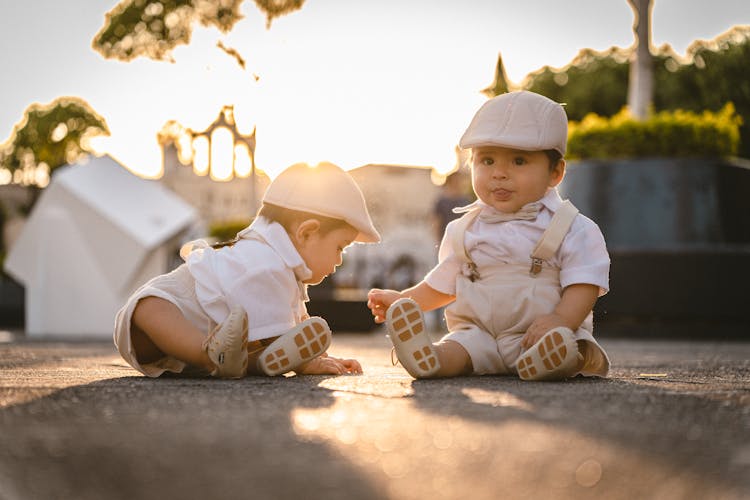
551	200
275	236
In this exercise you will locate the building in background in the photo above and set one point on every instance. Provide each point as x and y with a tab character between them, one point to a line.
214	170
95	234
400	201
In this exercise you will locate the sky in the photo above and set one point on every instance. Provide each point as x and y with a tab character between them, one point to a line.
350	82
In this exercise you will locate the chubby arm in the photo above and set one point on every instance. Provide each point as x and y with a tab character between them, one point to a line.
423	294
576	303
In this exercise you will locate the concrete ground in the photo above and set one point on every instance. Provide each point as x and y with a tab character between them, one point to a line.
671	422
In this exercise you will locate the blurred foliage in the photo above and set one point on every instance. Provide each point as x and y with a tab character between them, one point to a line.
594	82
227	230
277	8
667	133
152	29
51	134
712	74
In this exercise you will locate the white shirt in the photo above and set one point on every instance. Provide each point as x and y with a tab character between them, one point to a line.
581	258
262	272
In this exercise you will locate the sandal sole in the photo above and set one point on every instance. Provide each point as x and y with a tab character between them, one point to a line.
306	341
405	323
552	357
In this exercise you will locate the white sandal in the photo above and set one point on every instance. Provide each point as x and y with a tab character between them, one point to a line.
406	330
554	357
304	342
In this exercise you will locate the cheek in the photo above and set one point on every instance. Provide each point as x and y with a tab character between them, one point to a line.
332	259
476	179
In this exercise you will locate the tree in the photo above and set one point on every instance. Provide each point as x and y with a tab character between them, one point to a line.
500	83
135	28
49	136
641	82
716	72
594	82
713	73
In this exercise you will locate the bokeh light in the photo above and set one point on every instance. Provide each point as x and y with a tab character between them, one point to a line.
222	154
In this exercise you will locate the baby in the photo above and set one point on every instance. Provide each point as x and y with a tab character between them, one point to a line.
240	309
520	271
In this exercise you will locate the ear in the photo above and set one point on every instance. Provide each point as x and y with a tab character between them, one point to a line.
305	230
557	173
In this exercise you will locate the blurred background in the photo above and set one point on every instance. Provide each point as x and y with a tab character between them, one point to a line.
130	127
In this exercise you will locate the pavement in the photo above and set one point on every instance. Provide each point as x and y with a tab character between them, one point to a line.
671	422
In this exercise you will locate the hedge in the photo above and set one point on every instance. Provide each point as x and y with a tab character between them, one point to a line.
665	134
226	231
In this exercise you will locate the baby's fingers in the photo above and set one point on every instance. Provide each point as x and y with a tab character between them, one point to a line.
331	366
530	337
378	311
379	316
351	366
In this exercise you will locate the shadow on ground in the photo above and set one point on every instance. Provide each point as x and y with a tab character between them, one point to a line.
670	423
133	437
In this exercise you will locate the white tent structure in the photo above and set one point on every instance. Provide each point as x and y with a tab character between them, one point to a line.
96	233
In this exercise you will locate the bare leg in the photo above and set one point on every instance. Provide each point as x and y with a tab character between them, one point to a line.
159	328
454	360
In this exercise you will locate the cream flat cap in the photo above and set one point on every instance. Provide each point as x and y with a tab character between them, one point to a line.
520	120
325	190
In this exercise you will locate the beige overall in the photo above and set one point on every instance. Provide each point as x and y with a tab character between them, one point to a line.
495	305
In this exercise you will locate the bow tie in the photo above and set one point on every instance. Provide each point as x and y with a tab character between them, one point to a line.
492	216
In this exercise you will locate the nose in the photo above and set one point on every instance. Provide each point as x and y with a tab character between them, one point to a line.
500	171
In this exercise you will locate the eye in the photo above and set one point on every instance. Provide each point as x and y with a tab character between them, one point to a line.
487	161
519	160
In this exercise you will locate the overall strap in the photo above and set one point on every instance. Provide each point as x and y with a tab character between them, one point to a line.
553	236
457	237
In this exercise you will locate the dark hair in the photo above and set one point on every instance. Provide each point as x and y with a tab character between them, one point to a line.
554	156
288	217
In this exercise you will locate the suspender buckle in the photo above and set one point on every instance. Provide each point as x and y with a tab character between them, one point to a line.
473	273
536	266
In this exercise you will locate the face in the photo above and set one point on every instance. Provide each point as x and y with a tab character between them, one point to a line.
322	253
507	179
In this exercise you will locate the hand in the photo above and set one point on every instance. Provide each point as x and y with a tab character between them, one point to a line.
539	327
379	301
328	365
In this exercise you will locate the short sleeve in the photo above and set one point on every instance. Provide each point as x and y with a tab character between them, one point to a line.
583	256
443	276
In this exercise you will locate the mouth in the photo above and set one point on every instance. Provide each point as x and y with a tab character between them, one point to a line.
501	194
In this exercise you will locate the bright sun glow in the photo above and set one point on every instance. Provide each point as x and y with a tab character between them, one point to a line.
352	83
222	154
315	100
242	164
200	155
